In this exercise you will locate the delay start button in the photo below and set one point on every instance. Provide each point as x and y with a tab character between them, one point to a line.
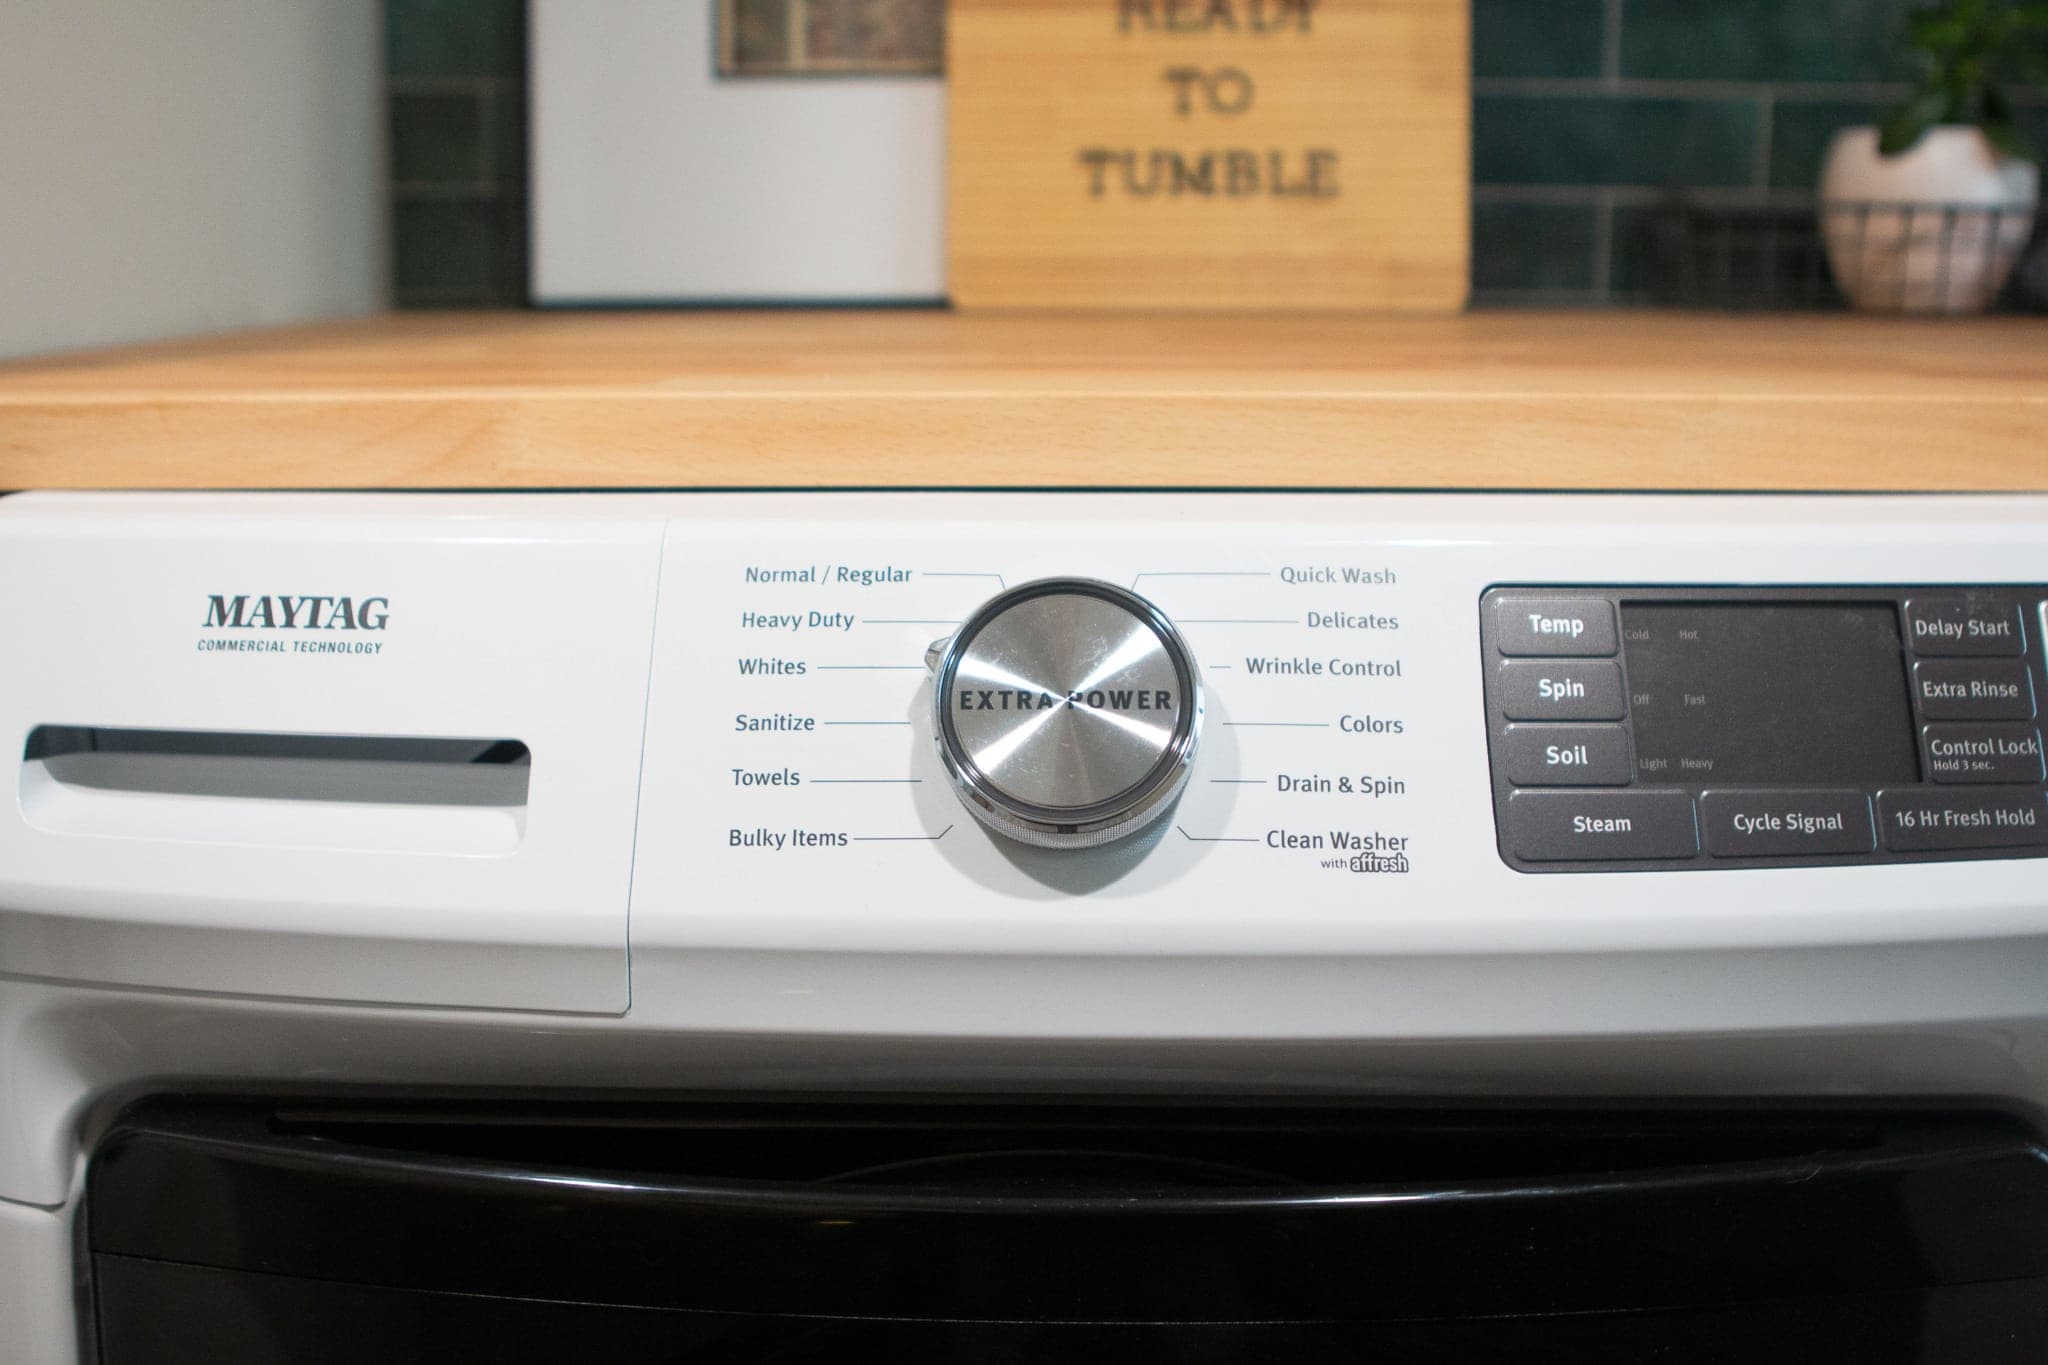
1961	625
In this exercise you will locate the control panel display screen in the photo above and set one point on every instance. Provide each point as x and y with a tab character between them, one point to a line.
1771	694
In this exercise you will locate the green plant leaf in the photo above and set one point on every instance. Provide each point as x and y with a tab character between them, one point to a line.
1936	31
2011	139
1969	46
1907	124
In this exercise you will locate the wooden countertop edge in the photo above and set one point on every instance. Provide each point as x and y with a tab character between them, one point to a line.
583	438
936	399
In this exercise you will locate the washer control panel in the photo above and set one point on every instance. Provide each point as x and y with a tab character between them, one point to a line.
1678	727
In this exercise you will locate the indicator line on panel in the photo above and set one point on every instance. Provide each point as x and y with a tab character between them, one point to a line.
1273	724
906	621
864	722
870	668
1217	667
1202	573
948	573
902	838
864	781
1214	838
1238	621
1239	781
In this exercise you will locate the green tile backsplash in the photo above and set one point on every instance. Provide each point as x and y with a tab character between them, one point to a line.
1763	40
1600	140
1563	38
1592	119
455	79
455	38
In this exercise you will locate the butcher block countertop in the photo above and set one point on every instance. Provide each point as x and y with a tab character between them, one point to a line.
943	400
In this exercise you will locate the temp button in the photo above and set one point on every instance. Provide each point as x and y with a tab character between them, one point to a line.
1548	827
1785	823
1555	627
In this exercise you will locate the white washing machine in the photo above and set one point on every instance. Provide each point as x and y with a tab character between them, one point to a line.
1022	926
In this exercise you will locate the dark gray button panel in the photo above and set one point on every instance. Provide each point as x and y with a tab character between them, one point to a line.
1983	753
1779	822
1566	755
1600	826
1954	625
1974	689
1914	819
1566	688
1562	689
1554	627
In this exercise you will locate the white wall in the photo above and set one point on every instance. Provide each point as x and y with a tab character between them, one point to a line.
179	166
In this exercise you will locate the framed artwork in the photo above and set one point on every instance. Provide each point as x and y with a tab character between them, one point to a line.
831	37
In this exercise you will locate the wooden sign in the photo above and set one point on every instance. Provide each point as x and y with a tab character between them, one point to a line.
1208	153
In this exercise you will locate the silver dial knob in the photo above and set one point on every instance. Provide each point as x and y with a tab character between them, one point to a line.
1066	711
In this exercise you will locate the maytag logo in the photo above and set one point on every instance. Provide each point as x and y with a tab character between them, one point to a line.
288	612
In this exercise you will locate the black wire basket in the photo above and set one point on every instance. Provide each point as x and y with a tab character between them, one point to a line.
1882	256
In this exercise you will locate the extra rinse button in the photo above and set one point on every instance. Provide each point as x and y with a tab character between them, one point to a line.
1555	627
1973	689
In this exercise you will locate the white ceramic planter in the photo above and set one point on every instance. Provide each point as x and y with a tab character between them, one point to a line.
1936	229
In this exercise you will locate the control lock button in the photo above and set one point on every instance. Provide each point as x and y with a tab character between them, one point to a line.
1953	626
1575	689
1600	826
1916	820
1555	627
1973	689
1566	755
1785	823
1983	753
